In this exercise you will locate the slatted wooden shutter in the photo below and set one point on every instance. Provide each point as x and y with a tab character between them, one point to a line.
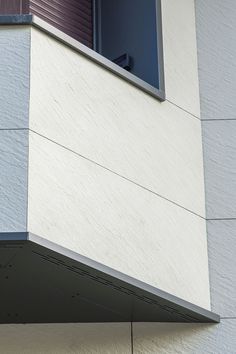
14	7
73	17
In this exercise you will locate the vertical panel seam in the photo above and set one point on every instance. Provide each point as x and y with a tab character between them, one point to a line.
132	337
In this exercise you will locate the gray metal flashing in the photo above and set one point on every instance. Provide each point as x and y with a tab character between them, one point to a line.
14	236
160	52
59	285
104	62
16	19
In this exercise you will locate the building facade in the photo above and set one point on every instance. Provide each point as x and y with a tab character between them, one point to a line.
119	171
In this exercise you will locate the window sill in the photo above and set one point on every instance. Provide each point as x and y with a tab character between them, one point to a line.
82	49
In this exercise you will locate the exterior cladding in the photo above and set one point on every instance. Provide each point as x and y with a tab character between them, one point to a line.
73	17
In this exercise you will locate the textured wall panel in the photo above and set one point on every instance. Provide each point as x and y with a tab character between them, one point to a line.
217	72
13	180
73	17
222	262
216	23
93	112
220	168
92	211
180	54
187	339
14	76
66	339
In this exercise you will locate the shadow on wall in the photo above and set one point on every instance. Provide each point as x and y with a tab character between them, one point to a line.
65	339
115	338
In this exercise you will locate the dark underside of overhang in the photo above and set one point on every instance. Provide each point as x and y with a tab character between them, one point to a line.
45	283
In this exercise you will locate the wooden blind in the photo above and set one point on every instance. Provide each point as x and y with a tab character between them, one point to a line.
73	17
14	7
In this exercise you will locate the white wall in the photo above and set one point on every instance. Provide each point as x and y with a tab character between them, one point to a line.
130	167
180	55
216	27
100	116
88	209
125	171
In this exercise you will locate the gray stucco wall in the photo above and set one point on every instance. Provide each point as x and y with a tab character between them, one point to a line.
14	114
14	76
216	34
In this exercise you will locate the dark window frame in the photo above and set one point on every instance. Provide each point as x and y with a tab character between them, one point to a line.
160	55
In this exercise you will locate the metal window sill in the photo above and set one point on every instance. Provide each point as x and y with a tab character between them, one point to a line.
82	49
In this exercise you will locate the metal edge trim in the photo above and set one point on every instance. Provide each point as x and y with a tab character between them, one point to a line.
160	47
94	56
14	236
210	316
16	19
98	58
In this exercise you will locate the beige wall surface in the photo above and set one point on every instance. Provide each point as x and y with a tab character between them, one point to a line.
92	211
125	171
116	338
66	339
180	54
89	110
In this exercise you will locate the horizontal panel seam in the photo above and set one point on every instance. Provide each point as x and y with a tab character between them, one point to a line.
117	174
218	119
222	219
185	110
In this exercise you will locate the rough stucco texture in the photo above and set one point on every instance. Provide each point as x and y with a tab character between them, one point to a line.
14	76
180	54
216	28
217	52
222	251
219	145
13	180
157	338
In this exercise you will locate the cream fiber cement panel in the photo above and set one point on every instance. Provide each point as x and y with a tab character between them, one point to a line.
91	111
180	54
94	212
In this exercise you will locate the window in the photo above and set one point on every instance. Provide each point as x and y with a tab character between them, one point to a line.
126	33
